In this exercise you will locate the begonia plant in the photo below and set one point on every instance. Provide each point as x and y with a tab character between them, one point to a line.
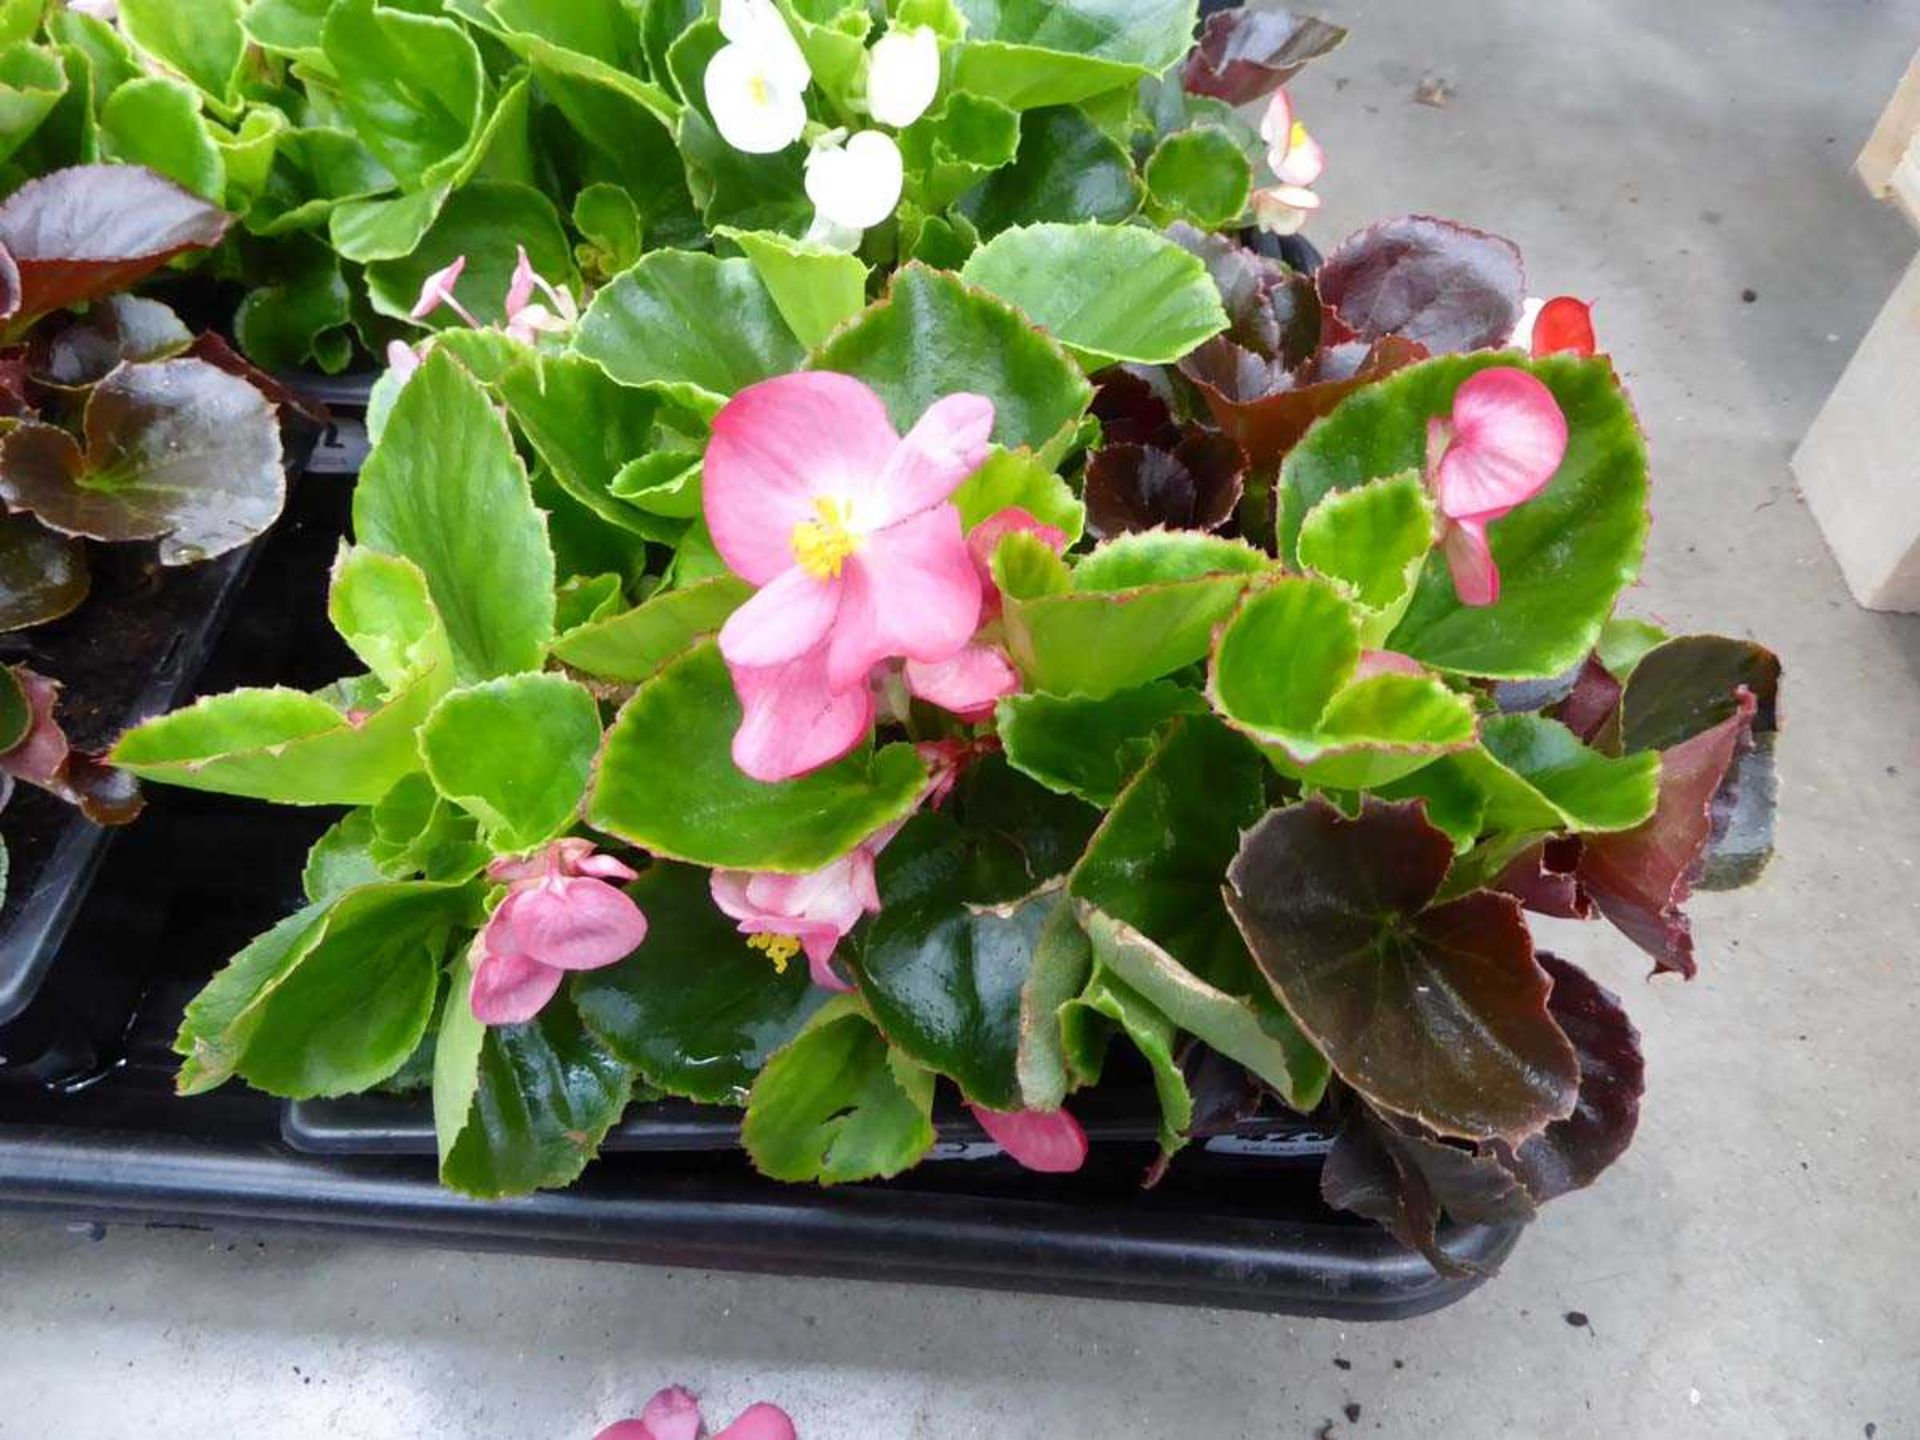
955	552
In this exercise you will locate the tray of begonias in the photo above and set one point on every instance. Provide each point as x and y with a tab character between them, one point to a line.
922	608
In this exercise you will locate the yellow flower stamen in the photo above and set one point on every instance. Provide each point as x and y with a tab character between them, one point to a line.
757	88
822	546
780	949
1297	136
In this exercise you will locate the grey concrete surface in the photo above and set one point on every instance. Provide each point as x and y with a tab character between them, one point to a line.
1751	1269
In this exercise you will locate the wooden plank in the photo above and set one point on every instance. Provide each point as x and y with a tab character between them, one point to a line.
1859	466
1899	122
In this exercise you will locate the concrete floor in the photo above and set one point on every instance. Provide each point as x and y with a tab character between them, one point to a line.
1751	1269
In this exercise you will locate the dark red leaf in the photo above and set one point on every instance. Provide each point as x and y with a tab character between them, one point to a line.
1132	410
115	329
92	230
1593	701
1405	1178
178	451
1272	309
103	794
213	348
1267	410
1434	1012
1443	285
1690	684
1545	878
15	372
1245	54
1639	879
42	575
1194	486
1571	1153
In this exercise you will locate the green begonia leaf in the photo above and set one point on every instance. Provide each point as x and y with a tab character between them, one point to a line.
951	149
1531	775
695	1009
156	123
1138	608
1148	896
601	30
628	126
1015	479
1085	747
697	327
410	84
1110	292
516	752
332	1000
342	859
838	1104
299	749
667	782
1283	674
1067	169
1200	175
1154	1035
1055	52
1564	556
380	605
418	831
631	647
542	1097
286	323
816	288
586	427
202	41
32	80
1373	540
445	488
933	335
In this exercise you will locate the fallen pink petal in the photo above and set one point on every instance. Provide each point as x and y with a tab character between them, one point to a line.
674	1414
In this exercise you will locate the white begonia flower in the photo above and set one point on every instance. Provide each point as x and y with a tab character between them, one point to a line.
903	76
756	84
857	185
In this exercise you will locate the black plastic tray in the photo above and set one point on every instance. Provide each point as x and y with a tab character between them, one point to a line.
1236	1222
131	651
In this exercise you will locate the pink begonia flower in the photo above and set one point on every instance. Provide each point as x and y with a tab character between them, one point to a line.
1297	161
786	914
847	529
528	320
968	685
1560	326
403	360
437	290
561	913
792	721
674	1414
985	538
1503	442
947	761
1048	1141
